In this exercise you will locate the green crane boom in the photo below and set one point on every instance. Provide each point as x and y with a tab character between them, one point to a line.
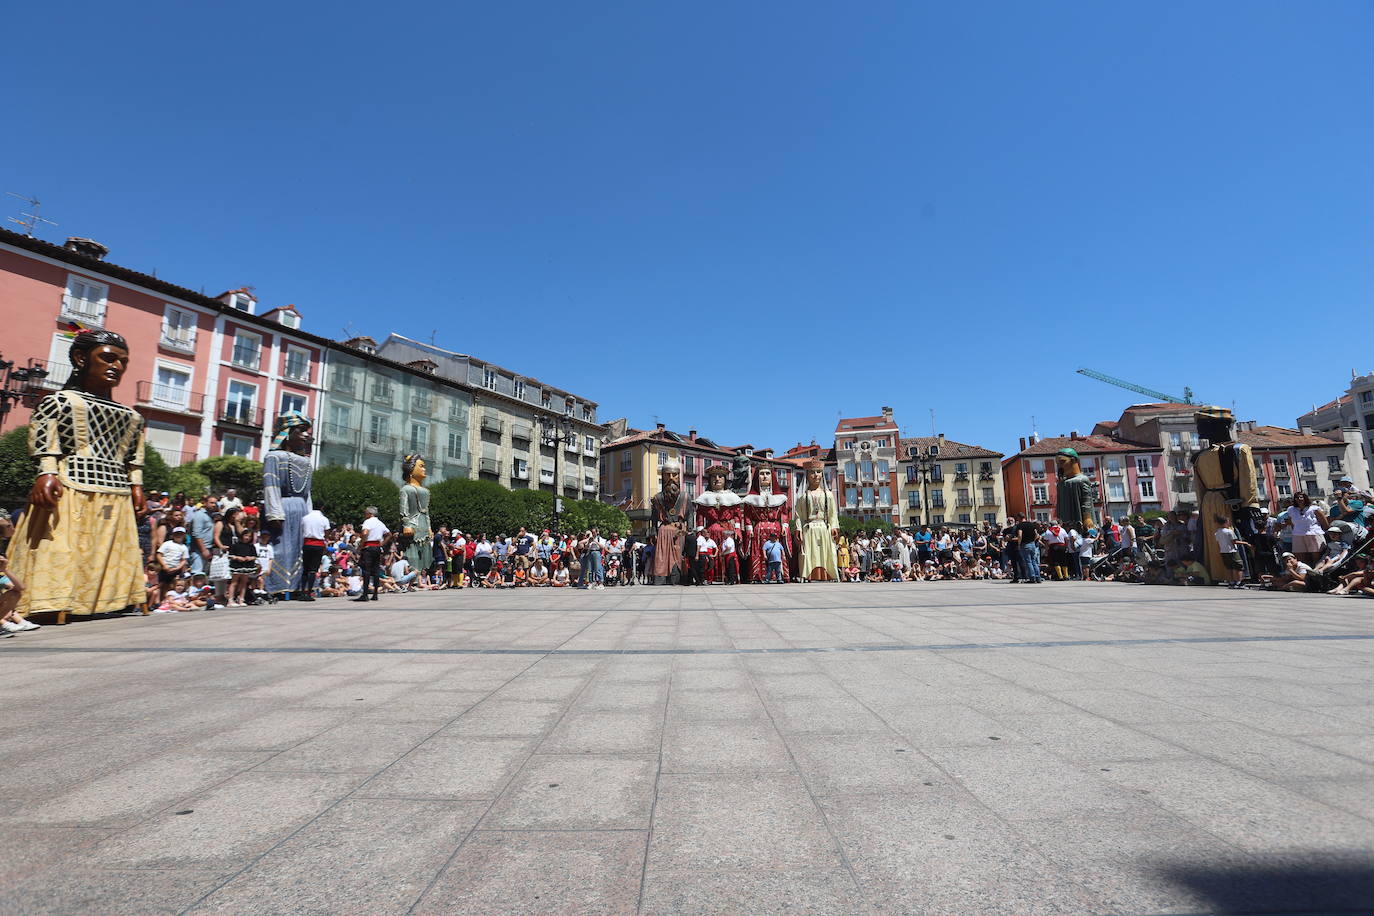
1140	389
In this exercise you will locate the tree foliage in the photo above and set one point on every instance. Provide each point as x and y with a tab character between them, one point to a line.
18	469
346	493
156	473
234	472
186	479
850	527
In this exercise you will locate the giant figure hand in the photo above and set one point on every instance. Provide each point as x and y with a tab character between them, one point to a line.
47	490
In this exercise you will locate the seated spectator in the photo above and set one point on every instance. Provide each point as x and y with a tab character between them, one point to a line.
403	574
1293	577
11	589
1359	581
560	577
852	573
539	573
176	598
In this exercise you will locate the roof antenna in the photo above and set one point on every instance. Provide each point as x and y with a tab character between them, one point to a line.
29	220
932	421
348	331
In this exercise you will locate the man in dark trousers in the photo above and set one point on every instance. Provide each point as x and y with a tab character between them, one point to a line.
375	537
695	573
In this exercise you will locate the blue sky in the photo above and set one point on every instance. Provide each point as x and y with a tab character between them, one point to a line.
747	218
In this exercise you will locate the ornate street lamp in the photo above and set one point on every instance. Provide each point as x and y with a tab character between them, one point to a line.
16	382
554	430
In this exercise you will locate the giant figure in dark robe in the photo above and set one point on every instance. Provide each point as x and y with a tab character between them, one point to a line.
671	516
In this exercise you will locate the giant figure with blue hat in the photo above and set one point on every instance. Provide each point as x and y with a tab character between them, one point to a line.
286	473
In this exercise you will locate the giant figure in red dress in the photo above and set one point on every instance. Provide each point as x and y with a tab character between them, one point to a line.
720	512
767	510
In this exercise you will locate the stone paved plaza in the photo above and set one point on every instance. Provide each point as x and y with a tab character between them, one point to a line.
907	748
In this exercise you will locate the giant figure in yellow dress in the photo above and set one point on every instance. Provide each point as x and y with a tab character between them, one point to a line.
76	547
818	527
1225	475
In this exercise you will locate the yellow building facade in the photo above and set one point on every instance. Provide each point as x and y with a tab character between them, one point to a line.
944	482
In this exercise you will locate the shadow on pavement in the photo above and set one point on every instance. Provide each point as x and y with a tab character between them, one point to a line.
1281	888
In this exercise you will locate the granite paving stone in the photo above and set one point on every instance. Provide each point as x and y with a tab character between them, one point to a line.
577	793
595	873
969	748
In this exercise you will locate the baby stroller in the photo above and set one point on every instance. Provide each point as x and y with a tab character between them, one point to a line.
613	569
1328	579
1118	565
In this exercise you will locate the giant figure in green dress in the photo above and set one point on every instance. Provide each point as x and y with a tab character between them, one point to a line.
416	533
1077	493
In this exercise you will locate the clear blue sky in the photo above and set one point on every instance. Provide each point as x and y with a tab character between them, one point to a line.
746	218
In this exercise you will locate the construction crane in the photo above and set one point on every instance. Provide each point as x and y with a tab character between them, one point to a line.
1140	389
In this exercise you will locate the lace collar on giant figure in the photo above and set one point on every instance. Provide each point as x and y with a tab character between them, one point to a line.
764	496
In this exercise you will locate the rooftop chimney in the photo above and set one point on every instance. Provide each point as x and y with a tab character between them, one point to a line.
1023	443
942	438
89	247
661	427
887	413
1073	434
692	434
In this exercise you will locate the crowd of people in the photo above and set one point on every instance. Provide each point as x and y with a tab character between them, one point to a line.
212	552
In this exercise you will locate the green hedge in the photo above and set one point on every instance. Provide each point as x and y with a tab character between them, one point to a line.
484	506
345	494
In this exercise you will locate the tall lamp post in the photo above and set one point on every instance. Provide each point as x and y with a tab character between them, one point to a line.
15	382
925	462
554	430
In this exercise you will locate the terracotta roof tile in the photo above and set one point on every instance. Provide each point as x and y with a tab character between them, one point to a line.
1281	437
948	448
1086	445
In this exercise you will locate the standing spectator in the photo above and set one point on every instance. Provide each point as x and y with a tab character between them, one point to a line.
266	554
593	570
1028	538
1307	523
200	528
772	552
1227	544
375	534
243	568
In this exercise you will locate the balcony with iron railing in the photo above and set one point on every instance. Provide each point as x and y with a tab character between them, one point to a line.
338	434
57	376
380	442
182	340
240	414
422	405
489	466
1307	472
247	357
169	397
988	501
492	424
297	370
174	457
964	502
87	311
961	475
381	395
522	432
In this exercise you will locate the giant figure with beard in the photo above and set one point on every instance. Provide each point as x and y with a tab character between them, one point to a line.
671	515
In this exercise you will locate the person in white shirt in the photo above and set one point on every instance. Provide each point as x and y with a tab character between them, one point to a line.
230	500
375	534
1227	543
266	553
402	573
313	527
173	558
730	559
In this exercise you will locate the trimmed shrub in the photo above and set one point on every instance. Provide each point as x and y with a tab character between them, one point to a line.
233	472
474	506
186	479
346	493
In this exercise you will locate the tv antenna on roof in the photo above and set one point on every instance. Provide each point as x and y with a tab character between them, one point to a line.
29	220
932	421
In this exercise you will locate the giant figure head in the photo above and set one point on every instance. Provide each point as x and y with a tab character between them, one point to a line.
413	469
716	476
1066	463
1215	424
670	475
99	360
815	474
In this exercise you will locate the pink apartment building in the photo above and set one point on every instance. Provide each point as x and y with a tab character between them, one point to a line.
209	374
1130	476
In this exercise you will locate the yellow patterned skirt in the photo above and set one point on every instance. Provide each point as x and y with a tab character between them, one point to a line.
82	558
